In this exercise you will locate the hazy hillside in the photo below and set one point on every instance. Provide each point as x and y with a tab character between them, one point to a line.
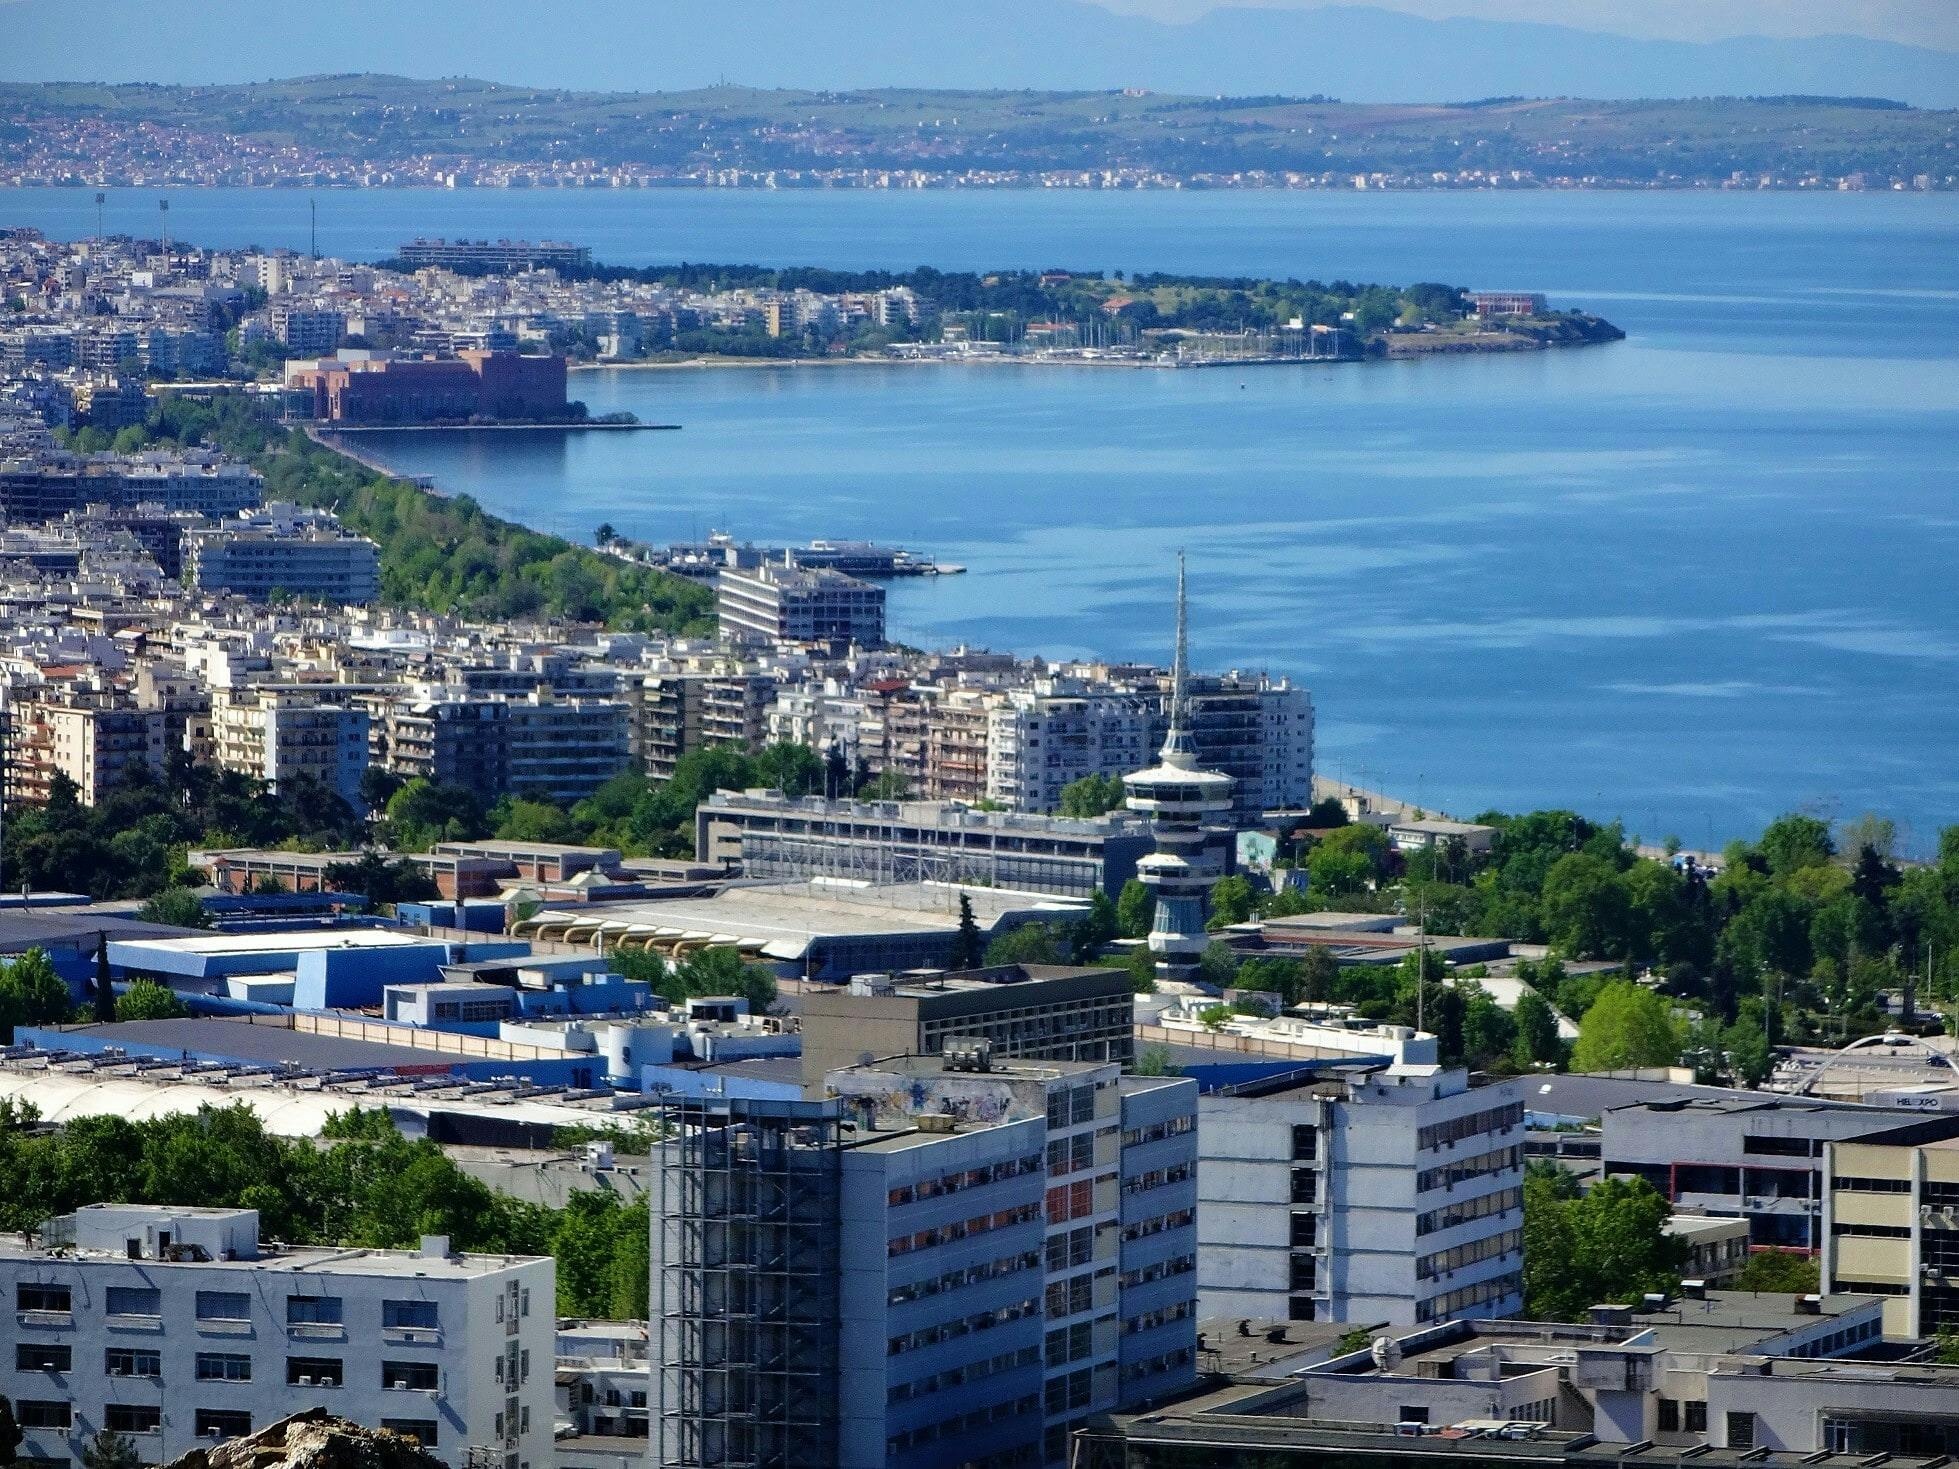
1359	53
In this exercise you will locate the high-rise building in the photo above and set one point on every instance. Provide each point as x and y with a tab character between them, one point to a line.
953	1260
1361	1192
284	550
278	734
1180	797
94	736
178	1327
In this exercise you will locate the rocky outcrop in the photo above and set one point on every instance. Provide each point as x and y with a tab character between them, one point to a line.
314	1439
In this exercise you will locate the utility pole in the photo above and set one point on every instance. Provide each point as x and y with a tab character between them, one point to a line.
100	199
163	213
313	207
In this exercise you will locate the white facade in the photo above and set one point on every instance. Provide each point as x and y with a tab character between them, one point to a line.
1377	1197
176	1327
277	736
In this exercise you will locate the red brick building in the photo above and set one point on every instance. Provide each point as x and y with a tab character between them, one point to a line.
470	385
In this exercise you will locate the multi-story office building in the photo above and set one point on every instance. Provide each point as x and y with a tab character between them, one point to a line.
278	734
776	836
1890	1222
178	1327
96	737
790	604
440	736
1359	1193
564	749
1029	1011
284	551
308	331
1750	1155
1017	1236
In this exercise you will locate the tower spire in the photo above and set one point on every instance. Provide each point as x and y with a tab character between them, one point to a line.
1178	748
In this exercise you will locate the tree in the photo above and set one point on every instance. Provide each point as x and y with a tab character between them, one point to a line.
1319	974
177	908
1537	1039
1155	1061
31	993
1231	901
105	988
1135	907
1213	1017
967	949
1088	934
1092	795
890	786
1792	842
1030	943
1782	1271
1609	1244
145	999
10	1433
1626	1027
1584	907
110	1450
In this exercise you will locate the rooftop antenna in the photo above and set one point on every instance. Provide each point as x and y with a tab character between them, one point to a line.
100	199
313	240
163	213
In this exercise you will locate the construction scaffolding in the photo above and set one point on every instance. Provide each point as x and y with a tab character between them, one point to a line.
745	1226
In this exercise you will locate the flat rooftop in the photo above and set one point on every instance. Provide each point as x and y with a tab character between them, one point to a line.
297	1259
303	940
270	1044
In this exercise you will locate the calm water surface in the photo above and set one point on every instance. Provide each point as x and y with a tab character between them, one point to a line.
1690	580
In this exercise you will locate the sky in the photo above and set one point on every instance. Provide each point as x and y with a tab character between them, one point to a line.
1914	22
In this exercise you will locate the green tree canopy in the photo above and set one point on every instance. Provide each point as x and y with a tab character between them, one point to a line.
145	999
1608	1245
1626	1027
1092	795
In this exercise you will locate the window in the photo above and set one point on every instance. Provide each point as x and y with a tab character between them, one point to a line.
132	1362
223	1305
223	1367
1696	1415
30	1413
133	1300
41	1357
409	1374
1305	1144
1741	1430
1411	1413
1669	1415
313	1310
422	1430
222	1423
418	1315
1304	1227
131	1418
35	1297
313	1372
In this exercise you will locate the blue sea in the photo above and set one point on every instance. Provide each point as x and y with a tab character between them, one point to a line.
1690	580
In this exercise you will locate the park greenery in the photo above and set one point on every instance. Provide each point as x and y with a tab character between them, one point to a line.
363	1184
438	553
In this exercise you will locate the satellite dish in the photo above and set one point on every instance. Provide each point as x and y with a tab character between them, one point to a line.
1386	1352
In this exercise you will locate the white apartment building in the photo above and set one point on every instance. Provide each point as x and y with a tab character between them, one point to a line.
1040	739
792	604
1362	1194
180	1328
276	735
564	749
283	550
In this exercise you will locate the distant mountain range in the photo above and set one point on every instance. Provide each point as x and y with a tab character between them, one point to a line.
1356	53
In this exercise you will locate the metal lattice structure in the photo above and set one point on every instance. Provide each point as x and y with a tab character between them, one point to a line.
745	1283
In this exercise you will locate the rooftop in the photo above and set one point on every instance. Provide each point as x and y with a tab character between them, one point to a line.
303	940
243	1039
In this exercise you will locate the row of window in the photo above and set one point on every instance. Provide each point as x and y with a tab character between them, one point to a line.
918	1290
216	1366
950	1330
1150	1320
1158	1178
1151	1366
1161	1270
1872	1185
932	1188
914	1438
1871	1231
1076	1390
1463	1170
1067	1344
1461	1211
1072	1107
1840	1339
1144	1228
925	1239
1427	1267
971	1372
218	1305
1067	1201
1474	1124
1072	1250
1074	1295
1466	1298
1071	1154
1156	1132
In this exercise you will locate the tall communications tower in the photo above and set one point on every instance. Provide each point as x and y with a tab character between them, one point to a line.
1179	798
